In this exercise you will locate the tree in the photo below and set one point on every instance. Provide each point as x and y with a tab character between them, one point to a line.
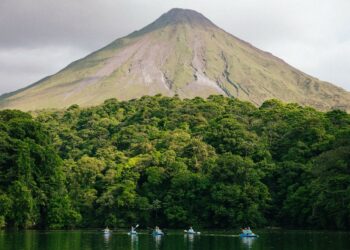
238	196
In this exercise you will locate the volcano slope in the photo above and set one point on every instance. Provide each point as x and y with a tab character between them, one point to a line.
182	53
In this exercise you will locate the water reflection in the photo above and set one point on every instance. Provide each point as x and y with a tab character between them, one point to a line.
248	242
134	241
157	240
106	237
89	240
189	239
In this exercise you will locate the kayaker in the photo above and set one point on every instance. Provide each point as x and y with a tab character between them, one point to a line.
190	230
246	230
133	230
157	230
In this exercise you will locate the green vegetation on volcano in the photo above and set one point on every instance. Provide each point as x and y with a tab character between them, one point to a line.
216	162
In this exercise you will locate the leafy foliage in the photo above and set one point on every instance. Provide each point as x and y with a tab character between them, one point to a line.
218	162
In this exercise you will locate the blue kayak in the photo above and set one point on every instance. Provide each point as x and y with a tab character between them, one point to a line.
132	233
154	233
248	235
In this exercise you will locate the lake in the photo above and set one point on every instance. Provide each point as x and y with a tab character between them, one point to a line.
93	240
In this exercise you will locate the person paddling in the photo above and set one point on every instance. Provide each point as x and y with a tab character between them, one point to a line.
133	230
191	231
106	230
157	231
246	230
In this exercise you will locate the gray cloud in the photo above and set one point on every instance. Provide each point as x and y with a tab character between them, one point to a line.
39	37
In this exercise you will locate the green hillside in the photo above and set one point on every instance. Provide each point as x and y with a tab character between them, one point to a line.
216	162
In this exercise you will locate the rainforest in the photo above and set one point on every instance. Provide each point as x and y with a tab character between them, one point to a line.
212	163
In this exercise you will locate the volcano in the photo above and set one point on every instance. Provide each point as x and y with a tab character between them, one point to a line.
181	53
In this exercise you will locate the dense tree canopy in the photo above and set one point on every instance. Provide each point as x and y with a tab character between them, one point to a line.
218	163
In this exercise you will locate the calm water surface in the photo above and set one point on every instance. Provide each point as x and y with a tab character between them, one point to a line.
94	240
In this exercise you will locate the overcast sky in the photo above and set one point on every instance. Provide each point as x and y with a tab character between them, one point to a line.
40	37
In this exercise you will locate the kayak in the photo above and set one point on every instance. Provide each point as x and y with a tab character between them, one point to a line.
193	232
132	233
249	235
107	231
154	233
